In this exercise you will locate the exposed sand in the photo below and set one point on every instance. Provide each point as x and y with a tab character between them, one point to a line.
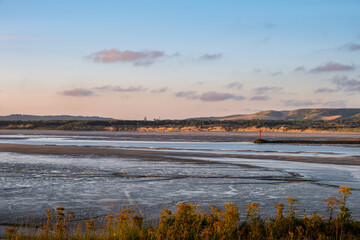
166	155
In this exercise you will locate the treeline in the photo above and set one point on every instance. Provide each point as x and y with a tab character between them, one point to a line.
190	125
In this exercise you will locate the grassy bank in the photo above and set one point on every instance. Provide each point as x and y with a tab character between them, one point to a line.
349	125
190	222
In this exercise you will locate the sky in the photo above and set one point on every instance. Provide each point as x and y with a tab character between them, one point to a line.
177	59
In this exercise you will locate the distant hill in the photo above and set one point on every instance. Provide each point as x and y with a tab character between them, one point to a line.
299	114
21	117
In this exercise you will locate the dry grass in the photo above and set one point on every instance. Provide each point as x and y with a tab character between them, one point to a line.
190	222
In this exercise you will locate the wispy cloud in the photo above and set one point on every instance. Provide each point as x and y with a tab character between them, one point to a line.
160	90
137	58
325	90
276	73
352	47
211	56
299	103
299	69
267	89
334	104
120	89
83	92
259	98
269	25
347	84
77	92
191	95
219	96
232	85
209	96
332	67
343	83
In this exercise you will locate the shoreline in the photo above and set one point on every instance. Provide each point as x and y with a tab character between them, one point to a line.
189	136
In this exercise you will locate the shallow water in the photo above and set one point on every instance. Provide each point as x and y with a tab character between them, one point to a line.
94	186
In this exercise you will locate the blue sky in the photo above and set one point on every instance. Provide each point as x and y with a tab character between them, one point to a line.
177	59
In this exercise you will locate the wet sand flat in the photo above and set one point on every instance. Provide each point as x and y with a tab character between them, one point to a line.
164	155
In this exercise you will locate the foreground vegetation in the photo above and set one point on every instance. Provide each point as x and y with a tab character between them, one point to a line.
190	222
350	125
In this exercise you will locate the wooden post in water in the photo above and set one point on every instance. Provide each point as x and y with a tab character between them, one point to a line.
260	134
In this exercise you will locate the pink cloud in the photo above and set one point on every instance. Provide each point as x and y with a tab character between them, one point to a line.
141	58
77	92
332	67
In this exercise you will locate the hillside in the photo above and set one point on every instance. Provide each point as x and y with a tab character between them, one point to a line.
21	117
299	114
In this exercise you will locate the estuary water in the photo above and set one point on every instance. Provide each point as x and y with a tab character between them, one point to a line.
92	185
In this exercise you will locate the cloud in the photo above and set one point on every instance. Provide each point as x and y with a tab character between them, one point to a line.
77	92
276	73
346	84
82	92
332	67
120	89
299	103
324	90
191	95
217	96
208	96
159	90
213	56
333	104
300	69
259	98
141	58
352	47
266	90
269	25
237	85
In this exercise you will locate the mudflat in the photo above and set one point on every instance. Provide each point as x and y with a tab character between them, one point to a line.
164	155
